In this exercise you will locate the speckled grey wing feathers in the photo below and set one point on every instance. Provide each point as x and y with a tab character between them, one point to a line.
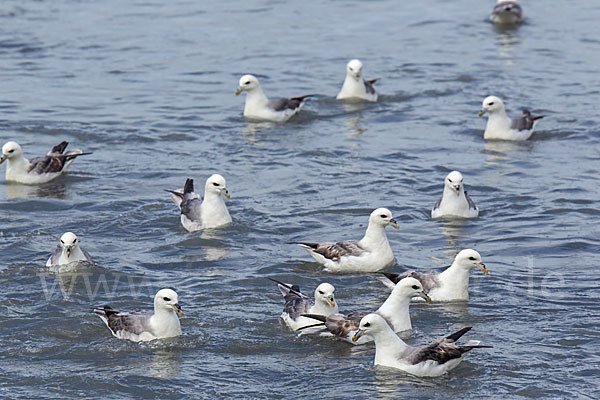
525	121
190	206
428	279
369	85
291	103
135	322
334	251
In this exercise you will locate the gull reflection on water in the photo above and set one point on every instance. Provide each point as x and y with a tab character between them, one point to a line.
55	190
164	364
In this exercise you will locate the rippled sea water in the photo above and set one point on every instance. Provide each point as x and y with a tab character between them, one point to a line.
148	87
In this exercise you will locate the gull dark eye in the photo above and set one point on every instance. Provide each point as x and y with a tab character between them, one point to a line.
472	258
247	83
62	241
367	325
383	216
10	151
166	299
321	292
449	180
415	287
215	184
491	104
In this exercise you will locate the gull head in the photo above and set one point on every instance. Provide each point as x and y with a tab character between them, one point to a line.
216	184
166	299
324	293
454	182
470	259
383	217
68	242
10	150
490	105
247	83
369	325
354	69
409	288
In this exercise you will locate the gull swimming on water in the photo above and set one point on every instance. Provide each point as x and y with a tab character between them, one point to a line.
454	201
259	107
297	304
507	12
370	254
432	359
37	170
450	285
395	310
500	126
143	326
197	214
68	251
355	87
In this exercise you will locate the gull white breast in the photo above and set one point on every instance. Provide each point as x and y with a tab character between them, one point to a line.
454	201
355	86
67	251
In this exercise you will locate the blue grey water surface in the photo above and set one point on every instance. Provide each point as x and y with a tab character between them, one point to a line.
148	87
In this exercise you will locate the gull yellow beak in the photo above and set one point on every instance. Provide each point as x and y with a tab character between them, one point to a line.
483	268
425	296
68	252
481	113
357	335
332	302
2	159
238	91
394	223
457	191
226	193
178	310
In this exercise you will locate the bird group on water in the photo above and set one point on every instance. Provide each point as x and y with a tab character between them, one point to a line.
318	316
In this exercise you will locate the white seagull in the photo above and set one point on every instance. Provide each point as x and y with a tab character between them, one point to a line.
355	87
37	170
197	214
450	285
432	359
259	107
454	201
500	127
141	326
507	12
395	310
68	251
297	304
370	254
